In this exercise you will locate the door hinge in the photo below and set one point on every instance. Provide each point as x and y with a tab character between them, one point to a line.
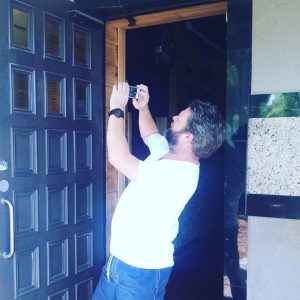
75	14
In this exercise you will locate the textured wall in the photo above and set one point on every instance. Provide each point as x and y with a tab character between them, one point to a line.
274	259
274	156
276	46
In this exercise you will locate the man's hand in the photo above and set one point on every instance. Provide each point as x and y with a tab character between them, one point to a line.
143	97
147	125
119	96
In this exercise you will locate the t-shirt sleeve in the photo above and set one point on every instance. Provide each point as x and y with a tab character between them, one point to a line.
158	145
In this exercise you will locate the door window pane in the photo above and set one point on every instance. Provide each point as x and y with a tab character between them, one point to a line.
54	92
55	86
22	89
54	35
82	48
52	39
82	99
20	30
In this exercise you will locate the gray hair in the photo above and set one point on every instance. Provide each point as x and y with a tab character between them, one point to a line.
207	127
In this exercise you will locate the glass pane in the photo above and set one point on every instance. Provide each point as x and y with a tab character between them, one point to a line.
275	105
81	100
239	28
54	95
20	34
21	90
80	50
53	46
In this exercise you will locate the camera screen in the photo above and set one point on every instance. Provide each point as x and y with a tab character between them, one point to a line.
133	92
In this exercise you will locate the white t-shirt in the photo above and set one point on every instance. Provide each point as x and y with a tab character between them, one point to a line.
145	221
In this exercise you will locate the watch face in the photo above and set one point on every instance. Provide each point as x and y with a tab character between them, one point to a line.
117	112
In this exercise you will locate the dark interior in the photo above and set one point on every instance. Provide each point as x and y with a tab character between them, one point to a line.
181	62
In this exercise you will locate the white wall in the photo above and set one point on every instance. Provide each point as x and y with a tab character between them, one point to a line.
273	259
275	46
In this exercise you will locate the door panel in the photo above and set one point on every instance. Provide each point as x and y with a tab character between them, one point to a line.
51	153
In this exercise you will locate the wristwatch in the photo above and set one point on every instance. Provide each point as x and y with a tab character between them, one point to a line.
119	113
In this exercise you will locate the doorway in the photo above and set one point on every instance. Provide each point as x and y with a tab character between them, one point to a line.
205	244
115	57
181	62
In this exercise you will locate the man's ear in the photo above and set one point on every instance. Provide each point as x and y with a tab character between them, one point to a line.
189	137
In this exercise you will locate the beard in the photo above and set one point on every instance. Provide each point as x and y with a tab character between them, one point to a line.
172	137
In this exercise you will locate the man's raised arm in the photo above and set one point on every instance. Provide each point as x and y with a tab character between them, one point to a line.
147	125
118	150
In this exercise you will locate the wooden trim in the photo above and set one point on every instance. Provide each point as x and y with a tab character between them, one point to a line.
121	77
175	15
121	53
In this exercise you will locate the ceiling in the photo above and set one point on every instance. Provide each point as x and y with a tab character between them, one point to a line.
119	9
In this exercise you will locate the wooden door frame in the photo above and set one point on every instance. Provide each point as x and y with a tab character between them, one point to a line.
115	55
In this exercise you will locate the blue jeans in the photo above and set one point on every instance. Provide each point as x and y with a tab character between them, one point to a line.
120	281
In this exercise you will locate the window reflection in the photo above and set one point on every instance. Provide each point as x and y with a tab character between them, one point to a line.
20	32
275	105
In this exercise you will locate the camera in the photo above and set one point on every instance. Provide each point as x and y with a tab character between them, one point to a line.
133	92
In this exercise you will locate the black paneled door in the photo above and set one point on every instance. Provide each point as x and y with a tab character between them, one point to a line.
51	151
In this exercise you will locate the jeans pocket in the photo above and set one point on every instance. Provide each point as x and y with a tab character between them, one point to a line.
112	269
135	277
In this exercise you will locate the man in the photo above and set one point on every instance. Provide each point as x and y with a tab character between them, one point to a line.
145	221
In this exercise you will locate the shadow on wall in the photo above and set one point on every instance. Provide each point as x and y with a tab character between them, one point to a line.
198	270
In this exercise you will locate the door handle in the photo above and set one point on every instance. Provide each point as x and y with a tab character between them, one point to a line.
11	229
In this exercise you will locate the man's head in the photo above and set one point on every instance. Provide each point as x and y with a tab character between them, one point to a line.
178	126
203	120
